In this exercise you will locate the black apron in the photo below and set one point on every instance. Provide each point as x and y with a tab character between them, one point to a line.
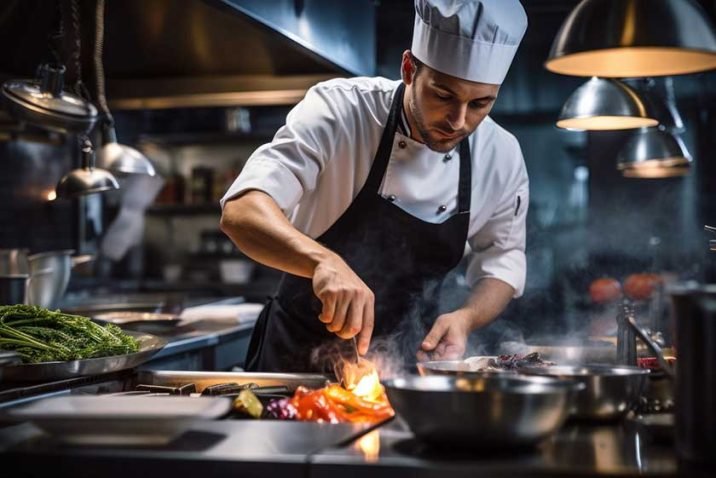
401	258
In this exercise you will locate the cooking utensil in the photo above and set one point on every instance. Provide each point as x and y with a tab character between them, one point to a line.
609	391
9	357
50	273
694	309
118	420
472	367
356	355
46	371
14	261
653	346
566	352
486	412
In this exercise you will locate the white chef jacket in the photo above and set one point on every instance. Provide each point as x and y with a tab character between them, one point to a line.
319	160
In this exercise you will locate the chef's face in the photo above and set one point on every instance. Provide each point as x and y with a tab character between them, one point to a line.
442	109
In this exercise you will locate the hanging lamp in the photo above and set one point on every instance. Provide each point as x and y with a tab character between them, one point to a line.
605	104
88	179
116	157
634	38
654	153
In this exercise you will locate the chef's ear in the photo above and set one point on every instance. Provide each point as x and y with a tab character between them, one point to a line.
408	67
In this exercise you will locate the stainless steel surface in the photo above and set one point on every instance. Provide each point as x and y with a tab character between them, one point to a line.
14	261
609	391
567	351
578	449
653	153
626	339
133	317
472	367
42	102
653	346
204	379
47	371
8	357
88	179
46	289
202	60
634	38
694	309
487	412
605	104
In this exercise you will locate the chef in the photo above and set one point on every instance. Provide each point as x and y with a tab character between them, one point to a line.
375	189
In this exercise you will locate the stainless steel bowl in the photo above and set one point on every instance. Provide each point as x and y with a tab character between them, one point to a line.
609	391
492	411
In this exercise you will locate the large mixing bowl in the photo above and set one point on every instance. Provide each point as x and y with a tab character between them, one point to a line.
609	391
493	411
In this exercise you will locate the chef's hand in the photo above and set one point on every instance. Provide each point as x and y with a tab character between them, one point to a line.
348	304
447	339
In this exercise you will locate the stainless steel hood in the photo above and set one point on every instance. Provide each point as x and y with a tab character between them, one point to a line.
179	53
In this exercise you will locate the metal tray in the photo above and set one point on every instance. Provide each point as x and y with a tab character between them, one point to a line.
47	371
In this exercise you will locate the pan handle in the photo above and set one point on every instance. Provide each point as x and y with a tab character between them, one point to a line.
653	346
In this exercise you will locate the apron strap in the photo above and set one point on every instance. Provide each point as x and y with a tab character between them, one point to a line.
464	192
382	156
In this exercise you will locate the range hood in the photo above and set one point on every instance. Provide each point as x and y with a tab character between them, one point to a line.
186	53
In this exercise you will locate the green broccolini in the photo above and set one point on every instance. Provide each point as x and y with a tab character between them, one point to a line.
43	335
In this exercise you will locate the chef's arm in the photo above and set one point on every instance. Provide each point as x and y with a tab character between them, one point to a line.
258	227
447	338
488	299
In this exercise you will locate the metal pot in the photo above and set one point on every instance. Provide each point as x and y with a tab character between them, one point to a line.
566	352
609	392
50	275
694	309
492	411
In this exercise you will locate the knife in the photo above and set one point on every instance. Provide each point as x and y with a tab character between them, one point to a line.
355	350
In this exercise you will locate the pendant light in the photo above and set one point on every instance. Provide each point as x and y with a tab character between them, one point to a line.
654	153
634	38
88	179
43	102
116	157
605	104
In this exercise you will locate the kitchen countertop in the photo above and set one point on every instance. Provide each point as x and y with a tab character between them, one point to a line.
270	448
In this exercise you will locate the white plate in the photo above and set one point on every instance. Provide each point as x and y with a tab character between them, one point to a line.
119	420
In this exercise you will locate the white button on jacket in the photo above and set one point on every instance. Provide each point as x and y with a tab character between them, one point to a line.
318	161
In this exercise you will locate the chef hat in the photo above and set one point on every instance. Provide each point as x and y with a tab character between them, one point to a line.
474	40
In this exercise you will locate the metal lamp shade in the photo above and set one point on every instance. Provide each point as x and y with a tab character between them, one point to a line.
87	179
634	38
43	102
653	153
120	158
605	104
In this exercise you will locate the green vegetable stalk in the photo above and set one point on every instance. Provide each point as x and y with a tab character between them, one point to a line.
43	335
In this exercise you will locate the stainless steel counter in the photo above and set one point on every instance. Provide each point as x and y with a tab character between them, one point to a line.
270	448
616	449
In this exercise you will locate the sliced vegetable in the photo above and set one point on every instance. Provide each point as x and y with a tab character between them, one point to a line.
247	402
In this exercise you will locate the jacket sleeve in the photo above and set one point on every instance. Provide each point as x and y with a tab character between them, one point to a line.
498	248
290	164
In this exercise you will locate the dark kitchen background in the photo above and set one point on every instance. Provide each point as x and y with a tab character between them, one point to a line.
197	85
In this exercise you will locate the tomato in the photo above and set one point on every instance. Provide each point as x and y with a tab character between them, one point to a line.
605	289
641	286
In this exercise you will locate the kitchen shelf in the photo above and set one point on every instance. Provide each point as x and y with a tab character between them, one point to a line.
184	209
